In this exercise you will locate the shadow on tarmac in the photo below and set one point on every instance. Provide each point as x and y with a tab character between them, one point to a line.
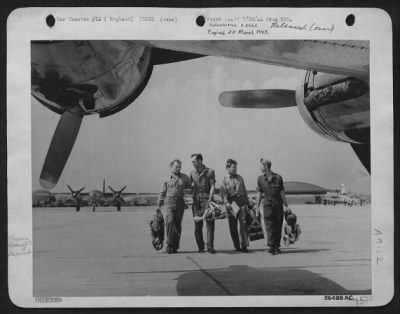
292	251
231	251
245	280
284	251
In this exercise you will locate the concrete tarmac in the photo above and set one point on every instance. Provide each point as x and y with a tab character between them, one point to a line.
109	253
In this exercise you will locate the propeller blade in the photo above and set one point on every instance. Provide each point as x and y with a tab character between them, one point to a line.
111	189
60	148
72	191
259	98
123	189
81	189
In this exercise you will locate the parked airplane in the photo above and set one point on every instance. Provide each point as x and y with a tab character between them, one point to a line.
117	198
97	197
78	78
76	195
42	198
333	199
340	197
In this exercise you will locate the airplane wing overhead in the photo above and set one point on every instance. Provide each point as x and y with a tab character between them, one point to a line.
330	56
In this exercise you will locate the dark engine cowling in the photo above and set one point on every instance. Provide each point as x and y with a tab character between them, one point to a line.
336	107
101	76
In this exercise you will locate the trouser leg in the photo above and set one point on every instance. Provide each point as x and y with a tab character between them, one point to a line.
278	221
233	231
210	234
198	234
273	219
180	209
268	226
244	240
170	225
198	226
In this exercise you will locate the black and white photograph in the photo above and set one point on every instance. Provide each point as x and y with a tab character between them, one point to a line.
172	121
202	167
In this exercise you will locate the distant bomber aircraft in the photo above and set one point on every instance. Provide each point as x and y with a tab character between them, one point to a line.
96	197
78	78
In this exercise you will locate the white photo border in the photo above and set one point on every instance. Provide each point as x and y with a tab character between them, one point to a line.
27	24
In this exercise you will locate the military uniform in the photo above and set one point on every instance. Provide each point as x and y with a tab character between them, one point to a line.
202	181
233	189
172	196
271	187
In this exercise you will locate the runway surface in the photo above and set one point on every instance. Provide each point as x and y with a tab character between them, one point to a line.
109	253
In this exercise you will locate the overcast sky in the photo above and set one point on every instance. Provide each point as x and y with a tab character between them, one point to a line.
178	114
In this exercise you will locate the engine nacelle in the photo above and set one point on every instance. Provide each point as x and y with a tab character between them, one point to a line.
336	107
88	77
